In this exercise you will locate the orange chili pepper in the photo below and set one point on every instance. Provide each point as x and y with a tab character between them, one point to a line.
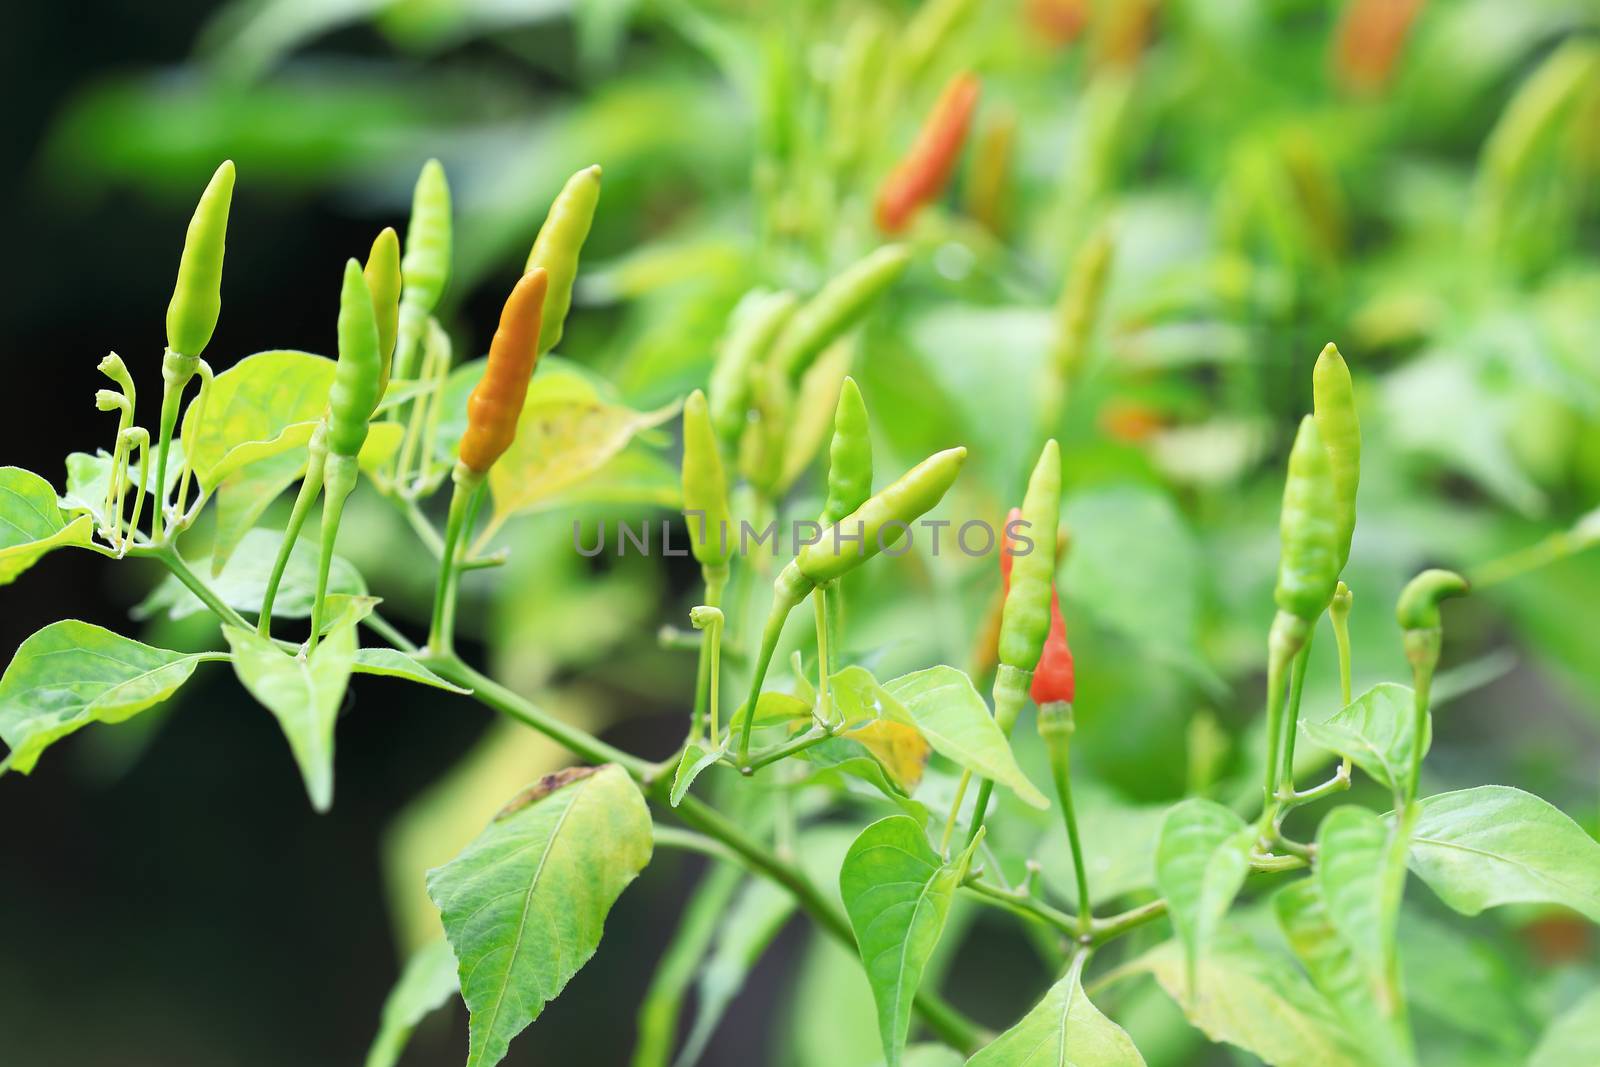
496	402
1060	21
1054	679
922	172
1371	35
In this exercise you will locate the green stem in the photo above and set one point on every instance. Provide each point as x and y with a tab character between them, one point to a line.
1104	930
782	604
676	837
176	370
756	760
1422	682
467	483
387	630
1339	615
204	370
168	555
1291	718
1056	726
339	479
1275	700
1024	905
716	580
1337	784
824	709
657	1024
310	488
955	810
979	808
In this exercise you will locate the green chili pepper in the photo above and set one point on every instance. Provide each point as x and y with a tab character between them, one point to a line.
1310	526
354	394
881	521
197	298
1334	408
556	248
839	305
705	487
1025	619
1079	303
383	281
849	457
897	505
1418	606
755	325
426	266
761	447
1417	611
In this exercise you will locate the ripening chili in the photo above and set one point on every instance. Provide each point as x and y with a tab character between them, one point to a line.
1054	679
923	171
197	296
557	246
496	402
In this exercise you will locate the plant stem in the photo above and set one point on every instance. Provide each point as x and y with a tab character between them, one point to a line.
1422	681
979	807
781	606
955	810
1104	930
799	743
1339	615
1056	726
387	630
440	632
716	580
658	1013
168	555
824	708
310	487
950	1025
1275	701
339	480
1026	906
1291	718
676	837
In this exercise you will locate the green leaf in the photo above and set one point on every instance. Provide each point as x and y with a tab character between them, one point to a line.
1202	858
525	904
773	708
32	523
945	708
392	663
1374	732
1574	1038
1063	1030
567	433
1335	969
897	892
1258	1002
303	692
425	985
1464	983
245	495
243	581
842	763
755	919
1478	848
1361	872
71	674
696	758
264	405
88	482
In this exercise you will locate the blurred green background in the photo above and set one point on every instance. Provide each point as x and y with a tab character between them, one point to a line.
1417	182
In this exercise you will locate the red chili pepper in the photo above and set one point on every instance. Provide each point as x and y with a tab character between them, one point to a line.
1060	21
1053	678
1370	37
921	174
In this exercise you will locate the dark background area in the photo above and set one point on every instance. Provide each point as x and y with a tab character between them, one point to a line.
172	899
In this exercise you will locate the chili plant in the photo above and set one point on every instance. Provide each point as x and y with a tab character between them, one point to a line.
763	769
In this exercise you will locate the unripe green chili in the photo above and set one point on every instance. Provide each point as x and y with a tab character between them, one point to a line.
882	520
496	401
354	394
766	435
197	297
899	504
849	456
755	325
705	487
1334	408
838	305
426	265
1308	571
1310	527
556	248
1079	304
384	282
1417	611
